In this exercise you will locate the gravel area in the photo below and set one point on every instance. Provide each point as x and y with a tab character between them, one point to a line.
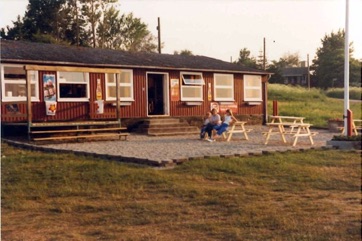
164	151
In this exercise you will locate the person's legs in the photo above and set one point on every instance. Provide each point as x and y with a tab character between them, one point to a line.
209	129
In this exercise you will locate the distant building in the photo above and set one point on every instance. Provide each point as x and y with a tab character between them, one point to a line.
296	75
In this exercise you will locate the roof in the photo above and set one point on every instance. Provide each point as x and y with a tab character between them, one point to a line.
295	71
42	53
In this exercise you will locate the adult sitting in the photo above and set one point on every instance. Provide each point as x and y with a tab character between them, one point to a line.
215	120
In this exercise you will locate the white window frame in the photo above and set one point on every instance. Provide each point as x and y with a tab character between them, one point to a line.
34	81
248	87
226	87
61	81
187	84
131	98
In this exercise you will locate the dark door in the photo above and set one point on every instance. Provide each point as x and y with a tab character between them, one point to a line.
155	94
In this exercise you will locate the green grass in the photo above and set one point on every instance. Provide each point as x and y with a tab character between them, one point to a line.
312	104
310	195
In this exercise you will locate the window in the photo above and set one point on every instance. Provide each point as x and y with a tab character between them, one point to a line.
73	86
191	89
224	87
125	86
13	80
252	88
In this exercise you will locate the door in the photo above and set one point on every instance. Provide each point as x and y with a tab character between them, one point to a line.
157	94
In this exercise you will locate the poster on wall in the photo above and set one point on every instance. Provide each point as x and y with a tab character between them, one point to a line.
175	90
49	87
232	106
221	108
215	105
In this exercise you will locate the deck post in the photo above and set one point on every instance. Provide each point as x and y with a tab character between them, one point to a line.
28	102
349	122
117	98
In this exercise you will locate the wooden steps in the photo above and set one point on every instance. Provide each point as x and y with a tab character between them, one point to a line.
59	131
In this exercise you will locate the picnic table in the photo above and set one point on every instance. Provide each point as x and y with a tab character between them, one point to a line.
294	125
237	127
356	126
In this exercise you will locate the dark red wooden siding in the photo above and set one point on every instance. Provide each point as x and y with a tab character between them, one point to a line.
71	111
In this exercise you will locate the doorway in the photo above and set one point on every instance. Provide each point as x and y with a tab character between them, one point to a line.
157	94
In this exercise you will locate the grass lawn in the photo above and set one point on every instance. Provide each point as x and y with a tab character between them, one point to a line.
312	104
310	195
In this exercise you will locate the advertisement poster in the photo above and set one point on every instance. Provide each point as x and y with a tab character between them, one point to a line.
175	90
49	87
232	106
223	107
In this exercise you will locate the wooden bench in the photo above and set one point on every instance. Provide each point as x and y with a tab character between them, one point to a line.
237	127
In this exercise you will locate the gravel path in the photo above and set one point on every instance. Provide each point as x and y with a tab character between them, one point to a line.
169	150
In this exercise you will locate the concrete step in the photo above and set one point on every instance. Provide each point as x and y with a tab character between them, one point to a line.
166	127
184	129
175	133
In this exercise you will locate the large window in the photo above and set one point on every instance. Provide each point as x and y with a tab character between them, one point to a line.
73	86
191	89
125	86
224	87
252	88
13	81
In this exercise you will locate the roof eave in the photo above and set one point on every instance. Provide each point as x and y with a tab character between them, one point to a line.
22	61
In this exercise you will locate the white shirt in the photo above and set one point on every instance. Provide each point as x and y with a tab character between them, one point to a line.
228	119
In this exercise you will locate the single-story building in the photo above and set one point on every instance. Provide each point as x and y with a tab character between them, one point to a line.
57	83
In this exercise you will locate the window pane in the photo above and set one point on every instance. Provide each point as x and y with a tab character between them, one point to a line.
223	80
73	77
14	73
252	81
125	77
191	92
125	92
15	90
193	79
111	90
224	93
252	94
111	78
73	90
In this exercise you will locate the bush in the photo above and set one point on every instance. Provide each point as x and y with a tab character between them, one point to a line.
355	93
287	92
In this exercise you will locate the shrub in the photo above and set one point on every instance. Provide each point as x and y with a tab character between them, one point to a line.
355	93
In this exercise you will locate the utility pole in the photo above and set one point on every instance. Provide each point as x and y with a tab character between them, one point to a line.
346	70
308	72
159	35
264	60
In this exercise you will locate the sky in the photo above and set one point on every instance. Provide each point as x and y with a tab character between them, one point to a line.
221	28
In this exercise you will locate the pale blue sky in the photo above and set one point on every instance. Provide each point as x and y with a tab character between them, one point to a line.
219	29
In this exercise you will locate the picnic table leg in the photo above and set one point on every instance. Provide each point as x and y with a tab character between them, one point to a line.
231	133
296	136
281	130
245	134
310	136
268	135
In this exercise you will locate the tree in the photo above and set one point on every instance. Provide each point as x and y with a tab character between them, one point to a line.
328	65
81	22
185	52
276	67
246	60
135	36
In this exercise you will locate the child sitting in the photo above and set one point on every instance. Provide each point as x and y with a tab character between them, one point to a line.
228	118
206	122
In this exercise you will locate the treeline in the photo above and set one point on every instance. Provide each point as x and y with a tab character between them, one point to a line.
327	68
91	23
